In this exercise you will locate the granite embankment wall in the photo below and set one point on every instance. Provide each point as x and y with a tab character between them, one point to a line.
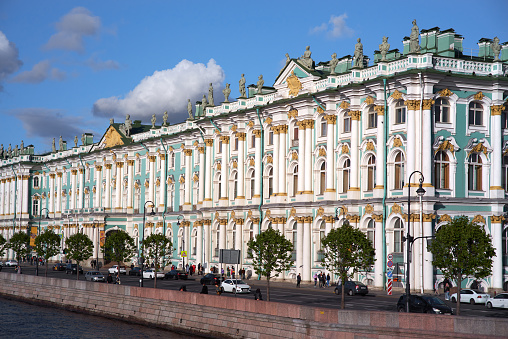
216	316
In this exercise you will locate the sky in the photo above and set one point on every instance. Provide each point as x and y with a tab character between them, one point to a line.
67	67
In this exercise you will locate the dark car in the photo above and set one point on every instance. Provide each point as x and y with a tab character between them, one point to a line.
59	267
73	268
176	274
135	271
352	288
211	279
423	304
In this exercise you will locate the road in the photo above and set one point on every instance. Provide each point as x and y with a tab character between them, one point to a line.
285	292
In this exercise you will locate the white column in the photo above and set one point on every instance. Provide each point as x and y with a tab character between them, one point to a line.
74	189
199	234
207	170
107	197
241	165
151	183
355	134
25	195
301	156
427	158
81	188
307	249
282	160
412	107
380	151
222	237
130	183
118	186
2	196
257	159
497	264
378	245
58	208
225	168
330	163
98	186
8	197
428	269
202	170
497	150
299	244
188	176
207	243
52	193
276	155
162	191
308	156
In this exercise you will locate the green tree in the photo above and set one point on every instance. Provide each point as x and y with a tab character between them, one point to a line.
462	248
79	248
119	247
159	248
271	253
47	244
3	245
20	244
347	250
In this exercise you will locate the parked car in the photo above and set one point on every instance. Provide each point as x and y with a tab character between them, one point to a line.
176	274
423	304
114	269
94	276
11	263
352	288
230	285
211	279
1	263
150	274
134	271
500	300
468	295
59	267
73	269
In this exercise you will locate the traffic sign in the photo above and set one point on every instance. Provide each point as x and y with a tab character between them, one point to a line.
183	254
389	256
389	274
390	268
389	263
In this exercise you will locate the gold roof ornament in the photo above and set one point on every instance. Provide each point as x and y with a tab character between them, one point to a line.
294	84
479	96
479	219
445	93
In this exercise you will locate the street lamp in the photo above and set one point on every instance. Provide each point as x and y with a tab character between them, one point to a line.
141	259
38	233
97	247
409	239
181	217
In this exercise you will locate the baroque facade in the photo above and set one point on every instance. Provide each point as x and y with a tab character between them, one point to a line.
327	143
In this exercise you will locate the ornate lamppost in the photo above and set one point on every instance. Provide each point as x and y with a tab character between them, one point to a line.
141	258
38	233
182	248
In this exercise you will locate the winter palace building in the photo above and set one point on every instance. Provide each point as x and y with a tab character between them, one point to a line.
329	142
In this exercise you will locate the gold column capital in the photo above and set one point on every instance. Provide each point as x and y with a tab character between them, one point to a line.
209	142
496	109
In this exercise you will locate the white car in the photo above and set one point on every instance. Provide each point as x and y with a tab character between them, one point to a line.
471	296
114	269
500	300
150	274
94	276
11	263
230	285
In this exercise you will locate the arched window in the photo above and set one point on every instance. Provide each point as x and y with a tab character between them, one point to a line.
504	175
346	167
442	111
371	231
217	241
233	238
442	170
194	241
347	123
371	173
475	172
235	185
270	182
322	178
398	244
399	171
251	182
372	118
36	181
219	186
295	181
400	112
475	114
294	240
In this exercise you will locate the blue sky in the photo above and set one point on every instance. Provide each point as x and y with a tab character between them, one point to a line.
67	67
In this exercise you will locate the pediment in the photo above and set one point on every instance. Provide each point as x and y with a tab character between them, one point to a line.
288	70
111	138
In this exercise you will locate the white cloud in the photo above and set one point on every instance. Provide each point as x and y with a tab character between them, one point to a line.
9	62
98	65
166	90
71	29
336	27
40	72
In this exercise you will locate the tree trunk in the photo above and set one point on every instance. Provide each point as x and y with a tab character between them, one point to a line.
268	288
46	270
342	297
459	283
77	270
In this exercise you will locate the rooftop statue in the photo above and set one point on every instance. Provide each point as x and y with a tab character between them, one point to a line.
9	151
83	139
128	125
1	151
53	149
333	63
154	119
22	147
241	83
305	59
76	141
384	48
165	118
358	56
189	109
111	121
16	151
414	46
496	48
260	84
210	95
60	144
226	91
204	103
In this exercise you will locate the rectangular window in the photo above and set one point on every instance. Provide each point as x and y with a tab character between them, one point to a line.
270	138
295	133
219	147
347	124
253	141
400	116
324	127
236	144
372	120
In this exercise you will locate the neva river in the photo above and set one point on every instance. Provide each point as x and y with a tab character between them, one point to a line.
21	320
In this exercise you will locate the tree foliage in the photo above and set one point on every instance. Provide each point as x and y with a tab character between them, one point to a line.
462	248
3	245
20	244
119	247
159	248
47	244
79	248
271	254
347	250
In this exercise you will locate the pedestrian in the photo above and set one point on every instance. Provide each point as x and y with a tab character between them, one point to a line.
447	290
436	288
218	289
257	295
118	282
315	279
109	279
204	289
328	280
298	280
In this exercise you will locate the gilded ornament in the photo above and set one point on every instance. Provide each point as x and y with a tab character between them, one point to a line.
397	95
234	128
209	142
294	156
497	109
412	105
369	100
397	142
320	110
320	211
355	115
251	162
497	219
445	145
445	93
479	219
428	217
187	152
294	84
268	121
196	143
370	146
427	104
292	212
369	209
112	138
322	152
443	218
269	159
478	148
345	149
479	96
241	136
380	110
396	209
235	164
377	217
249	214
251	124
344	105
293	113
219	166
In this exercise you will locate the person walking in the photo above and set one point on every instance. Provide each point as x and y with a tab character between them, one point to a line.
447	290
109	279
257	295
298	280
204	289
315	279
328	280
